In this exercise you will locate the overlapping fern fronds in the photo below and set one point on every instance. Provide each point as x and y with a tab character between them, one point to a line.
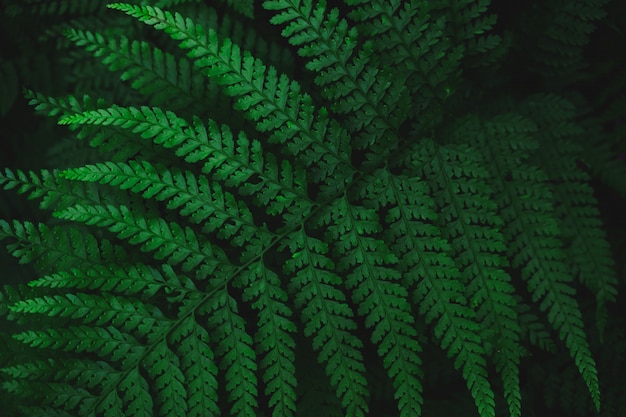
197	263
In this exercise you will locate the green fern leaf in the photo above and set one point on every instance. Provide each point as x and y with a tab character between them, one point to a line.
64	247
327	317
412	40
152	72
236	352
560	31
233	162
430	272
139	279
163	366
370	96
194	197
123	313
379	296
581	227
168	240
273	338
249	233
122	146
53	192
476	241
261	94
107	341
193	339
538	333
135	393
534	230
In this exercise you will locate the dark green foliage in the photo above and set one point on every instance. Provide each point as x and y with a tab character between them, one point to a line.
295	208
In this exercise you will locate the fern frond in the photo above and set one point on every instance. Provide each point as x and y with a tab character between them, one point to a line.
234	346
60	106
472	227
381	300
387	216
107	173
601	283
139	402
81	371
147	131
204	203
373	98
327	318
53	192
167	240
256	42
467	17
281	191
163	366
432	275
324	44
274	337
192	196
165	128
198	366
263	95
106	341
413	42
559	33
101	310
537	332
576	207
59	246
129	321
469	22
137	279
122	145
533	228
154	73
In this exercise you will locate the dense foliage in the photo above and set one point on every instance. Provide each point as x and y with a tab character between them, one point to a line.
295	208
